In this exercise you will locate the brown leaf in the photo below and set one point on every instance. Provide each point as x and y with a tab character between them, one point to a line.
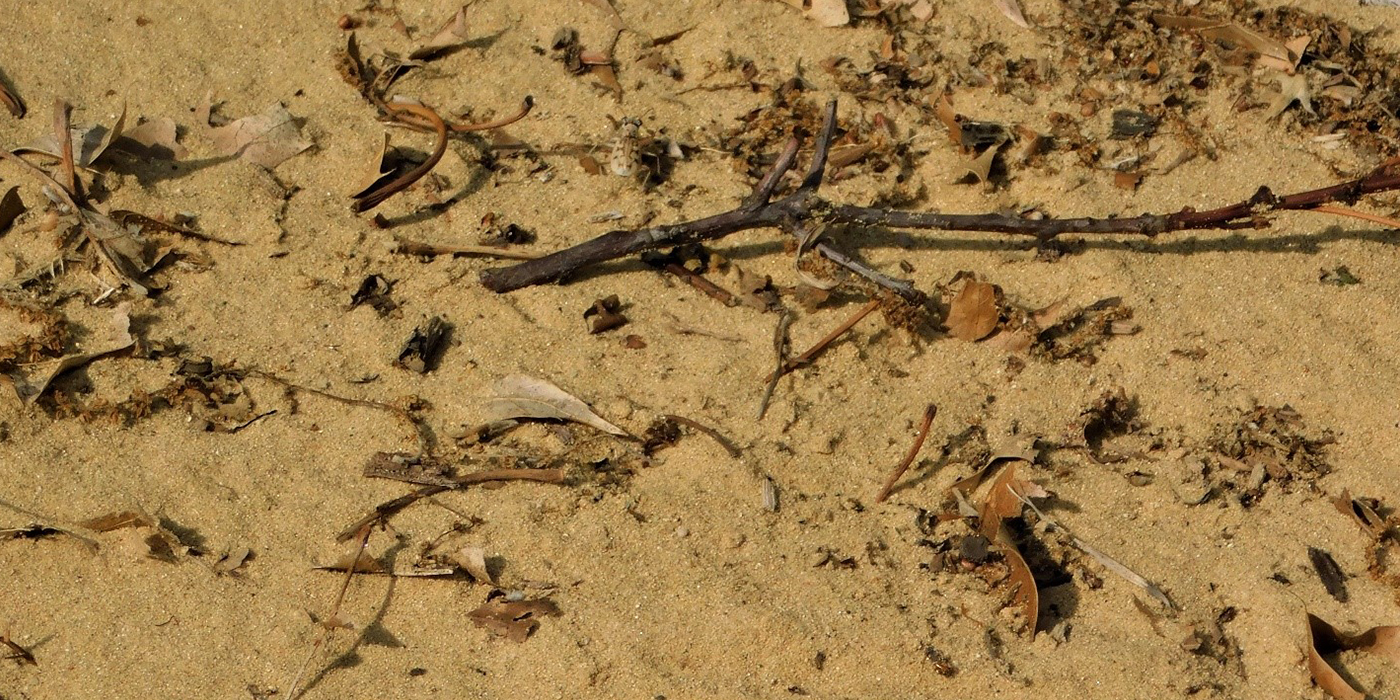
514	620
943	109
1323	638
451	35
1364	514
973	314
266	139
155	139
117	521
10	208
518	396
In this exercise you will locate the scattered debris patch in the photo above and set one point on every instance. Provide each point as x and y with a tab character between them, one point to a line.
1268	447
425	345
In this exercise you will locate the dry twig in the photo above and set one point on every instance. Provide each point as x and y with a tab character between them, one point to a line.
804	208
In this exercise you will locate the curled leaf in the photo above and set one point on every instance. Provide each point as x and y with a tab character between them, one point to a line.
1323	638
518	396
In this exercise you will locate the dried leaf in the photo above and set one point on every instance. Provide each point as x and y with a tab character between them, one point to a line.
1323	638
32	380
156	139
1292	88
514	620
117	521
420	353
1364	514
518	396
973	314
89	142
980	168
361	562
451	35
266	139
943	109
1012	10
10	208
11	101
472	559
232	561
829	13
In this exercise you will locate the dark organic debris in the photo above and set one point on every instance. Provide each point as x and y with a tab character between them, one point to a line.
423	349
606	314
1333	579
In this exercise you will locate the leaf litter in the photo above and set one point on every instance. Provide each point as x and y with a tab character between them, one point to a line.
1324	639
268	138
519	396
515	620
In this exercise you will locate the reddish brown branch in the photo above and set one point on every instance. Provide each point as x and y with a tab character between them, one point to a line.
804	207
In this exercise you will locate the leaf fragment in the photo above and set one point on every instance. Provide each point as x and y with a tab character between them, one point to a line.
452	35
154	139
472	559
519	396
514	620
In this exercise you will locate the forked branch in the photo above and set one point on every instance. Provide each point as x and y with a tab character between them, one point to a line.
804	210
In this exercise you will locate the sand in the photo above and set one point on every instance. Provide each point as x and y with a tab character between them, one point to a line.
671	577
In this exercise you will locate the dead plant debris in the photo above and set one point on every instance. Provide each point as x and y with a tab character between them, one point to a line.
515	620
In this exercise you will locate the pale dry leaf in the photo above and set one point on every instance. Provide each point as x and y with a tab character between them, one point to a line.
974	313
89	142
1323	638
980	168
266	139
361	562
450	36
472	559
32	380
156	139
1012	10
1292	88
514	620
518	396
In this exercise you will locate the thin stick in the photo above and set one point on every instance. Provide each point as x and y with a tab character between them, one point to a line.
780	344
805	207
698	281
390	508
714	434
408	247
376	194
1109	562
929	413
17	652
820	345
332	622
1373	218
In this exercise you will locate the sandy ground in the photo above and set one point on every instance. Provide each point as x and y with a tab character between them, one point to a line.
672	578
